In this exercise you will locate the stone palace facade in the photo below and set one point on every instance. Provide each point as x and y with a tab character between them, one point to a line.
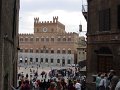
49	45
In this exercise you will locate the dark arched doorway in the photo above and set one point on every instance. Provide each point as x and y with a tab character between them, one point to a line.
104	59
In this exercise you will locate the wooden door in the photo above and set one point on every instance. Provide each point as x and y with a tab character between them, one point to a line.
104	63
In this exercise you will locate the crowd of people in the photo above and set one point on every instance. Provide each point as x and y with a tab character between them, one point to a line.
107	81
65	79
57	80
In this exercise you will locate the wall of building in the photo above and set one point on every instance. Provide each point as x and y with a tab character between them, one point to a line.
81	49
103	37
9	11
81	54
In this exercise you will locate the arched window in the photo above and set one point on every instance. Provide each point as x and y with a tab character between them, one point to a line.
46	60
46	51
51	60
69	38
58	39
26	39
21	59
63	51
37	39
26	59
47	39
52	51
21	39
69	51
64	39
36	59
58	60
26	50
41	50
68	61
31	50
52	39
41	60
37	51
31	59
42	39
58	51
31	39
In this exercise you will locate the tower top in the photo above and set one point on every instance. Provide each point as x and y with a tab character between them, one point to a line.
36	20
55	20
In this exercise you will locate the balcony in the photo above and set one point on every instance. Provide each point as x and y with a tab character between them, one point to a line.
85	10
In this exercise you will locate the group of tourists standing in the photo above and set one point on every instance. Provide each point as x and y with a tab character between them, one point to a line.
50	85
107	81
66	81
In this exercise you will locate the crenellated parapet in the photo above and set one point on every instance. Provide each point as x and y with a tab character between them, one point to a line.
72	33
36	20
46	22
26	34
69	34
55	20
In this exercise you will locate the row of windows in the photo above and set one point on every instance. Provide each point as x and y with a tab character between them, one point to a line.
105	19
45	51
45	39
46	60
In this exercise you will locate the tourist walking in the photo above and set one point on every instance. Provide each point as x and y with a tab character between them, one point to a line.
102	84
98	79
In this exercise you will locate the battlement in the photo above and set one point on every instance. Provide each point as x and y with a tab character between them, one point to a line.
70	33
55	19
36	21
26	34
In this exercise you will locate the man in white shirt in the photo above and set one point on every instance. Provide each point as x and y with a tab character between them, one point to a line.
78	85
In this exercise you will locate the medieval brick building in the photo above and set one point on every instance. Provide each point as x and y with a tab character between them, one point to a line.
49	45
103	36
9	12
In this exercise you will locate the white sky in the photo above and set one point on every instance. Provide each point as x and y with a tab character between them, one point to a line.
68	11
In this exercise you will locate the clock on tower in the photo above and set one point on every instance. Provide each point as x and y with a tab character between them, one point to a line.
44	29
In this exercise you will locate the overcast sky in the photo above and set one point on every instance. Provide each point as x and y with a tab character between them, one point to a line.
68	11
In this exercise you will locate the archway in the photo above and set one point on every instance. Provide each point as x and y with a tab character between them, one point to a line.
104	59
